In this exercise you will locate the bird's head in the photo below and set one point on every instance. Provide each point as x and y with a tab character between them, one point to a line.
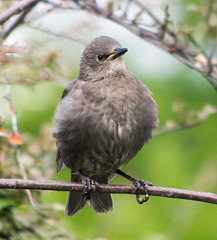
101	57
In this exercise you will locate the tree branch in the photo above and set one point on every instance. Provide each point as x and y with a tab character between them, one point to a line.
162	37
176	128
17	8
107	188
170	44
17	22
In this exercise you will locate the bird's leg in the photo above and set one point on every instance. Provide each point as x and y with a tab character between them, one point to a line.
87	185
87	182
137	183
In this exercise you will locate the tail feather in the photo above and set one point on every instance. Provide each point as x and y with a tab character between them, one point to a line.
75	201
101	202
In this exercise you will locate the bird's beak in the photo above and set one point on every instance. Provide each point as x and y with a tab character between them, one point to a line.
117	53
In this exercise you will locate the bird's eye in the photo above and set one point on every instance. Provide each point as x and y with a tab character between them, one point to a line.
100	57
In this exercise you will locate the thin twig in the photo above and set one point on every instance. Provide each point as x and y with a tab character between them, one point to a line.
17	8
17	22
56	34
196	44
12	108
147	10
126	8
107	188
210	65
164	27
24	174
213	50
16	132
176	128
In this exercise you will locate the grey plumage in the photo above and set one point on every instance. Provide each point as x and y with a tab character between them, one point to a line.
104	118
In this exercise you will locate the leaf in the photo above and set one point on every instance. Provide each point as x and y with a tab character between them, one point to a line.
14	139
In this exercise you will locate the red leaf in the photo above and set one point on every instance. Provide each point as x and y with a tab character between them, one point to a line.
16	139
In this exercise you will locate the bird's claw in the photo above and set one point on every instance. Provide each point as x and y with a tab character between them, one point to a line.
87	182
87	187
138	183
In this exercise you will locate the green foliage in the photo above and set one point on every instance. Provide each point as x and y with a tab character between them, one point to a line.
201	15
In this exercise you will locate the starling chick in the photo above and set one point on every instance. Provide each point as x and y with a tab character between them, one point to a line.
104	118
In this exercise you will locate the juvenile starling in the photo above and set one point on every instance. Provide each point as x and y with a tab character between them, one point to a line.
104	118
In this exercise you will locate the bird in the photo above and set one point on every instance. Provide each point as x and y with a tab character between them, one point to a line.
104	118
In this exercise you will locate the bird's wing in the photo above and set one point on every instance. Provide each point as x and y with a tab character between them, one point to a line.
70	87
59	161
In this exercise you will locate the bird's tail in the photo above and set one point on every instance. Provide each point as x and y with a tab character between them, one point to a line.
99	202
75	201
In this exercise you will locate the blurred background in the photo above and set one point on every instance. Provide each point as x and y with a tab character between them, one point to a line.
44	60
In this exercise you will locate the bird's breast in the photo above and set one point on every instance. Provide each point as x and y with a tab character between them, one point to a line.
102	127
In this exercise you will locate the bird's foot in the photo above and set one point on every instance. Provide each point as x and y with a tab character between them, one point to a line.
137	183
87	182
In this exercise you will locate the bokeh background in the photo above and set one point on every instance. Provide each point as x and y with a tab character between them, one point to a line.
185	159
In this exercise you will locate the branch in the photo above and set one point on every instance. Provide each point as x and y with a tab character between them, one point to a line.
17	8
107	188
17	22
56	34
12	108
169	43
164	38
176	128
186	120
